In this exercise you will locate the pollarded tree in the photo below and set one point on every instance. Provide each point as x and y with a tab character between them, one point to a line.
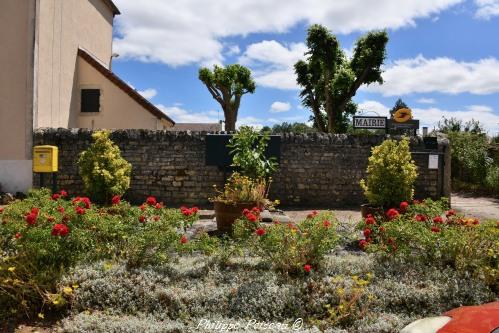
227	86
329	79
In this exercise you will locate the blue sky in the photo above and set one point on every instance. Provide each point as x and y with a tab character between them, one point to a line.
443	55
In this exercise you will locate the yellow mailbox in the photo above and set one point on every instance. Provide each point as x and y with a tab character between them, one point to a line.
45	159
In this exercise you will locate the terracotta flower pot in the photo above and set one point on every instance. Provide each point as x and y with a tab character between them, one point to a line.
367	209
226	214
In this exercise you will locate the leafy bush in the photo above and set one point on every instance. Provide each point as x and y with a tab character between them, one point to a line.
391	174
290	248
103	171
427	234
45	235
248	154
242	189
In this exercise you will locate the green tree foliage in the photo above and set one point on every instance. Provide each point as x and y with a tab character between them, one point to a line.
292	128
391	174
329	79
448	125
104	172
399	104
227	86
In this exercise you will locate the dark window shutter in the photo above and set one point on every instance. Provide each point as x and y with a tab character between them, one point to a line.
90	100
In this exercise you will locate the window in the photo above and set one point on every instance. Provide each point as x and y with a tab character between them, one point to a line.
90	100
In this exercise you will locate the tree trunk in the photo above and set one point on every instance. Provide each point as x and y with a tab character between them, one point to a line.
328	102
230	119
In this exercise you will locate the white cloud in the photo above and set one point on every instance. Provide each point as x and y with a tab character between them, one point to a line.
181	115
445	75
432	115
179	32
486	9
272	63
250	121
233	50
277	107
148	93
426	100
376	107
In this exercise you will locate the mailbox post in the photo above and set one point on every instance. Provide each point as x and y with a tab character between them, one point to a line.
46	160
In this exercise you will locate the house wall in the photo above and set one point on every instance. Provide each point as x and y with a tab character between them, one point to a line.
315	169
65	25
17	21
118	109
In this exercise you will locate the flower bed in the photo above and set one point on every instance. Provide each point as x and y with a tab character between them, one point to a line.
123	268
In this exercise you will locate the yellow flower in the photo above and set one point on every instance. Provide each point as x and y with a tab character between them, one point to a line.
75	286
12	269
67	290
41	316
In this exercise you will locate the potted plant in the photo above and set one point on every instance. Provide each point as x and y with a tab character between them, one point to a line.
249	185
391	174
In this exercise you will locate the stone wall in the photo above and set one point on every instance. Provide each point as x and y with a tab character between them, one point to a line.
318	170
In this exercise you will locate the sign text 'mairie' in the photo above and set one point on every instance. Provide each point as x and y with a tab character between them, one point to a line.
369	122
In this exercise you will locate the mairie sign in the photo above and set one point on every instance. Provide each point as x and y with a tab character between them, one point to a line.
369	122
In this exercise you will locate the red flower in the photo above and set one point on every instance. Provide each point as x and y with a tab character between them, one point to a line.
370	220
435	229
116	200
183	239
391	240
362	244
18	235
326	223
312	215
246	211
382	229
151	201
307	268
158	206
61	209
60	230
260	231
31	218
403	206
416	202
392	213
195	210
156	218
75	200
438	219
35	211
251	217
142	207
450	212
142	218
256	210
476	222
420	218
1	210
55	196
86	202
63	194
367	232
80	210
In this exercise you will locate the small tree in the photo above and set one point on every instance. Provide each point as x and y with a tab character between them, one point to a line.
329	79
227	86
104	172
391	174
399	104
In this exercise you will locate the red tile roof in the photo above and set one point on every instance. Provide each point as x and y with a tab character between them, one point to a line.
123	85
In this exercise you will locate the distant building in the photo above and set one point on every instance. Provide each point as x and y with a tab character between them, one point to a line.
196	127
56	72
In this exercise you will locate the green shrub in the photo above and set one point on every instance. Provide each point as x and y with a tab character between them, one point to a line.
427	234
43	236
248	153
103	171
290	248
391	174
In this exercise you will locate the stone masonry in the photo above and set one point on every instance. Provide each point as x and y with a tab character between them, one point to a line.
319	170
